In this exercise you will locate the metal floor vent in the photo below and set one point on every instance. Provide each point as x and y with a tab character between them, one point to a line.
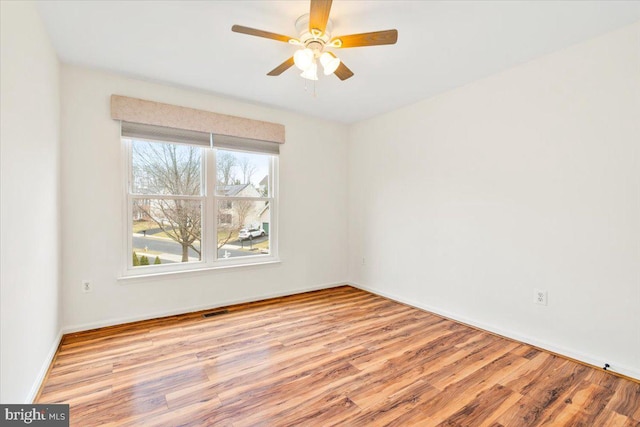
215	313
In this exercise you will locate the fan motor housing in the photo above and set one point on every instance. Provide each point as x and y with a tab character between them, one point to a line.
306	37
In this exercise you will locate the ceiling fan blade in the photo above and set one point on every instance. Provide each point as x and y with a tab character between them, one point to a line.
343	72
281	68
319	15
375	38
260	33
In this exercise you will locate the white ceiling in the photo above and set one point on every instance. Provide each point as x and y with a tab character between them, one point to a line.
441	45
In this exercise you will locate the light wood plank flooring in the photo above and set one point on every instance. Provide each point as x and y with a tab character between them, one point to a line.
335	357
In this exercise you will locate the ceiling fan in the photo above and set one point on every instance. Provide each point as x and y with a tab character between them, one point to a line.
315	39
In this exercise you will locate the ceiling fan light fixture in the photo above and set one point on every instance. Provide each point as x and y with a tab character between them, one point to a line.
303	58
330	63
314	36
311	73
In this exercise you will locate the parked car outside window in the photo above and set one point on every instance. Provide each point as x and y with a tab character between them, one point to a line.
251	232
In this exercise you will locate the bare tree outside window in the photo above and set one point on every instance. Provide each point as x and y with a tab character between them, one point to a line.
170	169
226	163
247	168
225	228
243	208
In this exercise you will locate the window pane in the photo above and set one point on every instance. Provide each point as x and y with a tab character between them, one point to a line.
166	169
242	174
166	231
243	228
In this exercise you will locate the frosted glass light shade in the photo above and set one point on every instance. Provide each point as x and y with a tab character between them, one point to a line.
303	58
329	62
311	73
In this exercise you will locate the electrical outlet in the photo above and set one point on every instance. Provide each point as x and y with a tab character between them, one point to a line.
86	286
540	297
364	261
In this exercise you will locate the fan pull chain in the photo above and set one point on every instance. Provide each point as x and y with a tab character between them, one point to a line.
306	88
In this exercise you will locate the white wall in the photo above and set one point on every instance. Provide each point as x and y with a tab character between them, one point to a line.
313	207
29	225
464	203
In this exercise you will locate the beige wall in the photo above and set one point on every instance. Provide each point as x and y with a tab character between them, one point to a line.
465	203
313	175
29	225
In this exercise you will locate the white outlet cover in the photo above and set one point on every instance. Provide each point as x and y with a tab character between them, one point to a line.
540	296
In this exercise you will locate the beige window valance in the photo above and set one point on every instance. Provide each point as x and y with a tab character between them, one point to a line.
171	116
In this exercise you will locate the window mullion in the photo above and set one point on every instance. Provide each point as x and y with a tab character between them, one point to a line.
211	218
165	197
244	199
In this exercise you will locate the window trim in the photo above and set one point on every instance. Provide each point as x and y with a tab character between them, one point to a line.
208	198
203	270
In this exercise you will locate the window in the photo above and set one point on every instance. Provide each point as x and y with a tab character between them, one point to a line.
191	206
244	199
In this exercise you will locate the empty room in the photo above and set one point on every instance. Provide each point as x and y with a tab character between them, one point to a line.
320	213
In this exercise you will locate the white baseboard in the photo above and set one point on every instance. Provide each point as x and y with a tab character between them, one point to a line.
43	369
184	310
582	357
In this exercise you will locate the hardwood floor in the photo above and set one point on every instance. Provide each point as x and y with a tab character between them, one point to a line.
334	357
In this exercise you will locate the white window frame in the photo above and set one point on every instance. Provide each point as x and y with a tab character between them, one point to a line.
209	221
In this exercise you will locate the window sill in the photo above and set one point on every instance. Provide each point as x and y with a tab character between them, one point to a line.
132	277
